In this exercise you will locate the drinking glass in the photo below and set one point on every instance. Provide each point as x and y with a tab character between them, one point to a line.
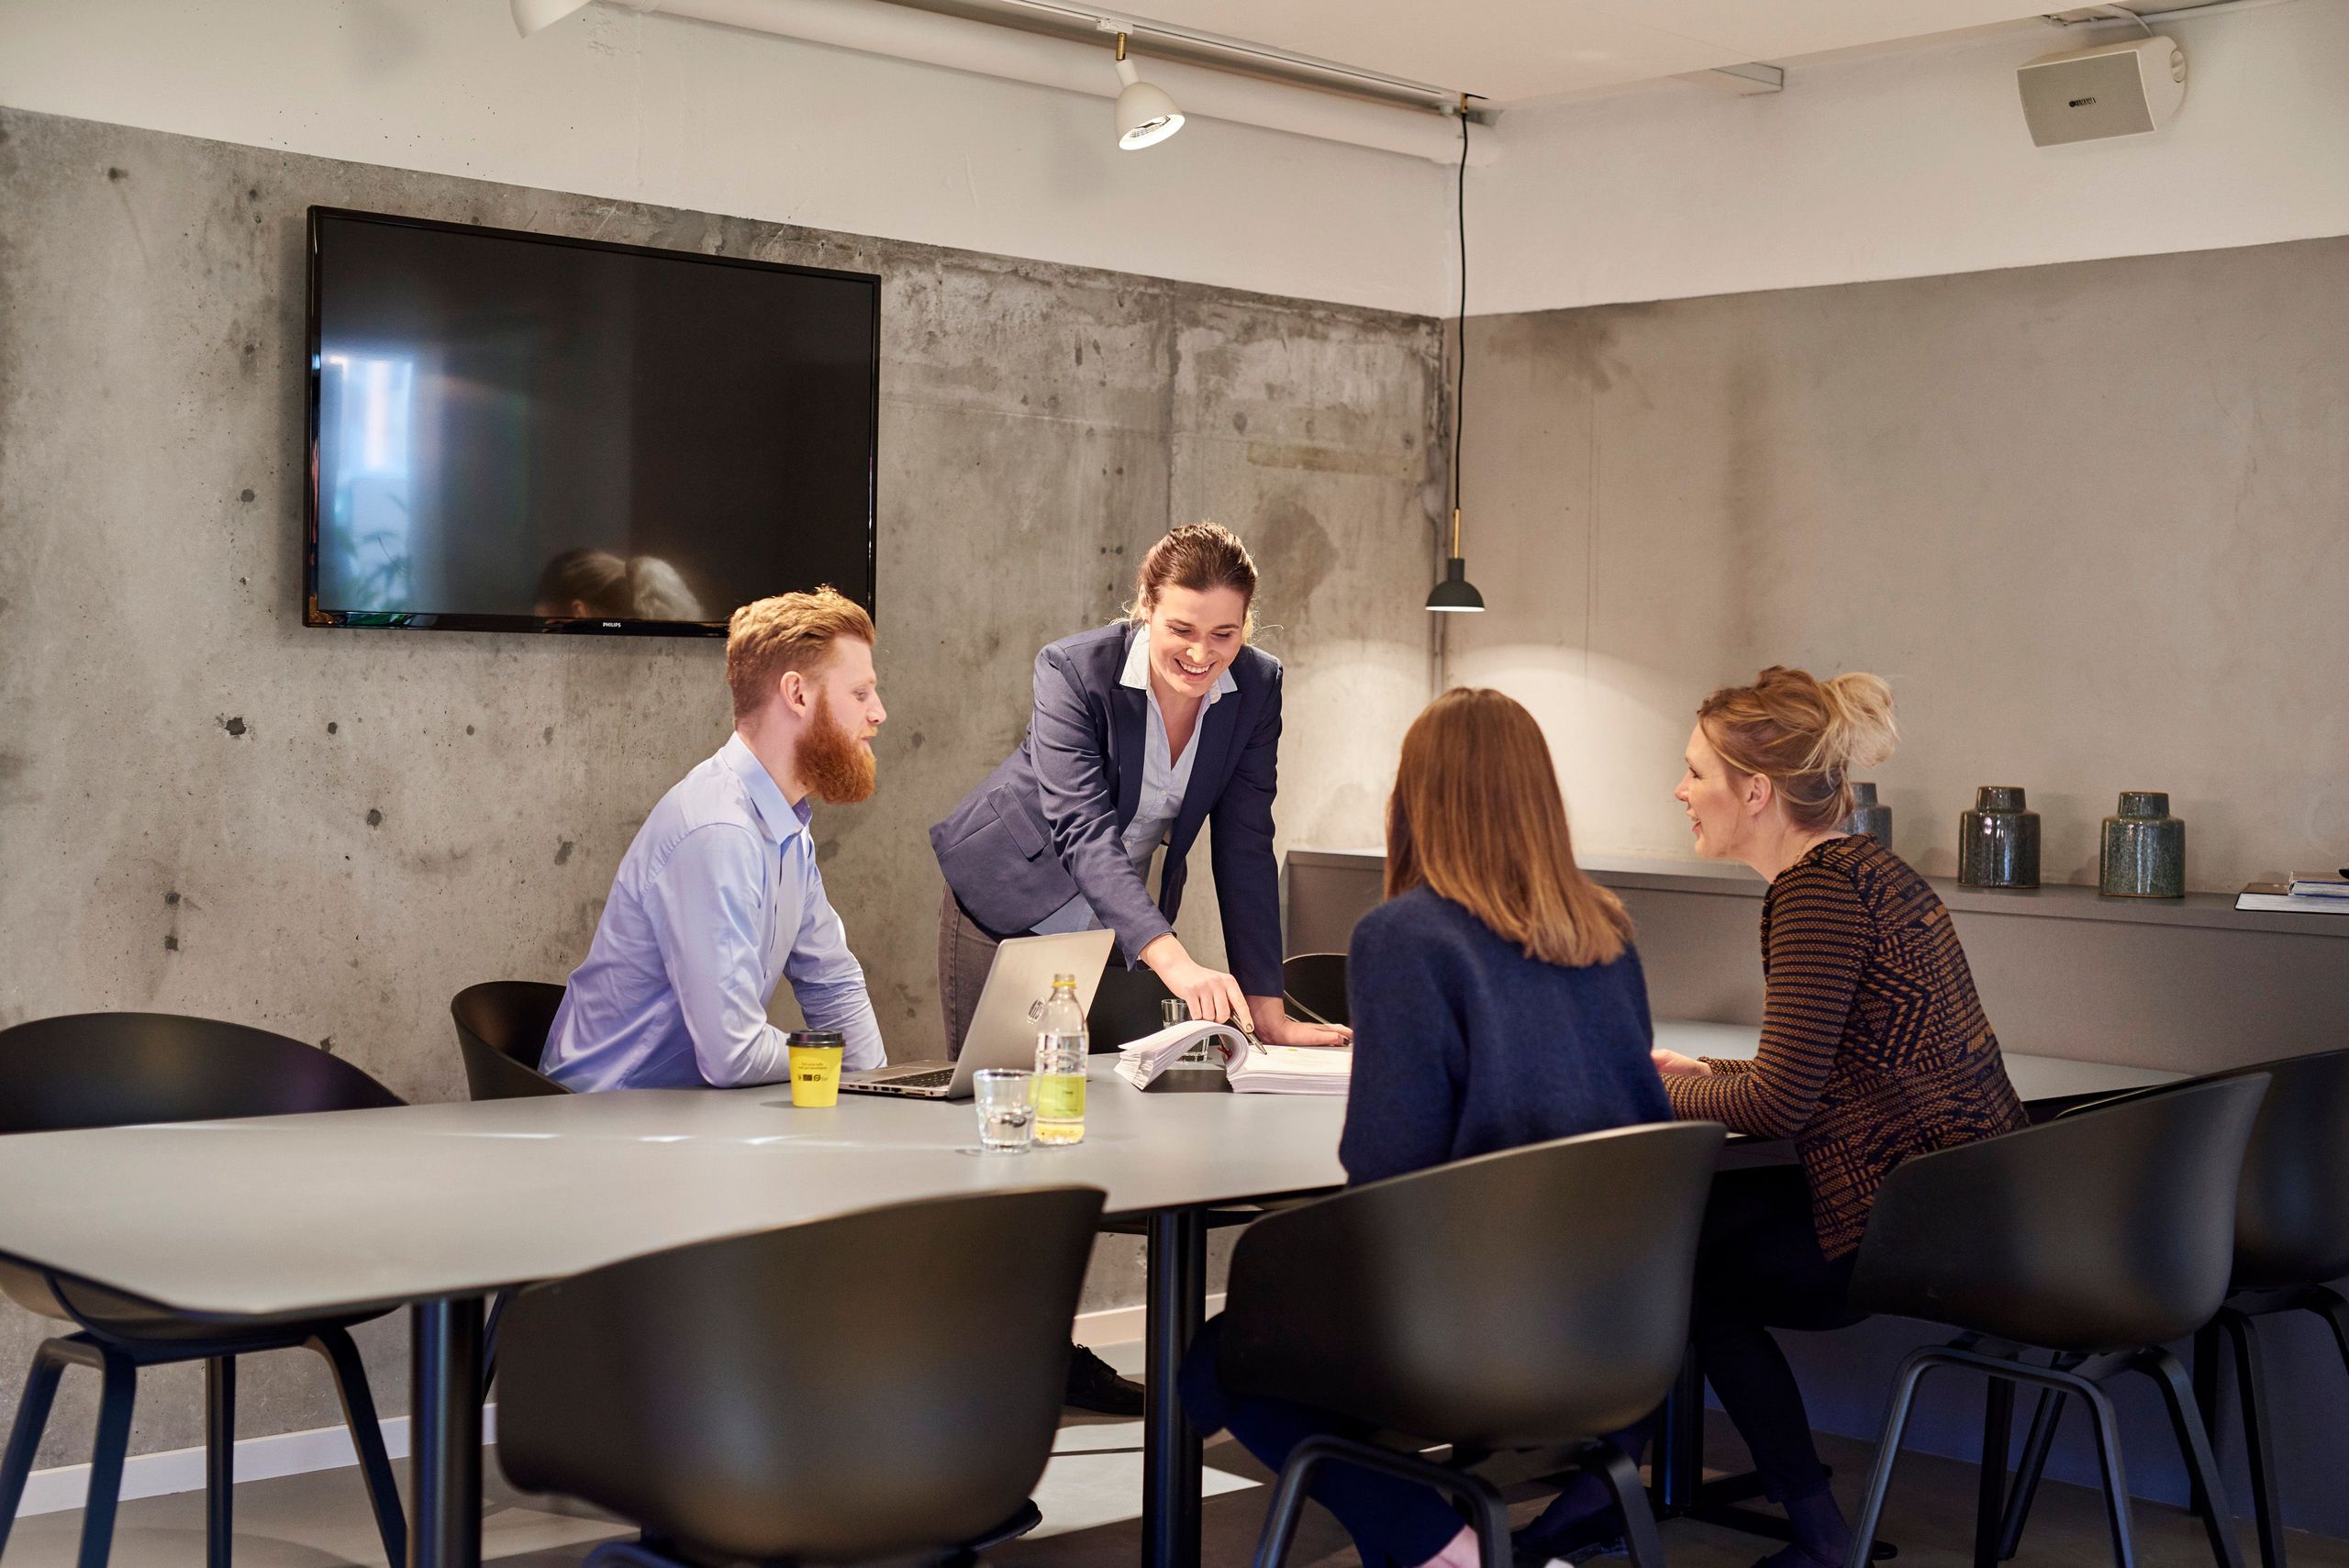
1006	1104
1174	1010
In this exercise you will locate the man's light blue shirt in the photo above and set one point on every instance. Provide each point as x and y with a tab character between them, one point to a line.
717	900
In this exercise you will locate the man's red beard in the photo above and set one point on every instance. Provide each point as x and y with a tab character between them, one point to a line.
831	761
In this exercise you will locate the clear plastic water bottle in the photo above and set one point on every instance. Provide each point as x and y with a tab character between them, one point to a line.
1061	1047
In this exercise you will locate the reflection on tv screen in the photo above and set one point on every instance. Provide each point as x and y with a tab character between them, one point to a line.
514	431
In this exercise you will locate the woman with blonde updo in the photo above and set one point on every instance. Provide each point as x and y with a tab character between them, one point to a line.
1874	1048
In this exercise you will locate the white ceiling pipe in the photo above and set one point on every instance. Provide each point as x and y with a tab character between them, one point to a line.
902	32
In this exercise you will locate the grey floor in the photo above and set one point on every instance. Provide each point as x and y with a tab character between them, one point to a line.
1091	1501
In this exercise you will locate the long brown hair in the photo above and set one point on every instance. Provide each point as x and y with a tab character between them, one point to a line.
1478	818
1805	736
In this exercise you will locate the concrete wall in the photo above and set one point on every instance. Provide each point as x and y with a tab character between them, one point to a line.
656	108
2085	517
1909	163
210	809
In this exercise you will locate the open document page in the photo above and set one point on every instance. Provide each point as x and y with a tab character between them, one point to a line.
1253	1068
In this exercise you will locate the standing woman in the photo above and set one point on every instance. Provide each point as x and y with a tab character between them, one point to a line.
1874	1048
1144	732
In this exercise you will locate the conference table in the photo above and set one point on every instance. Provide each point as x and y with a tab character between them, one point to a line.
435	1209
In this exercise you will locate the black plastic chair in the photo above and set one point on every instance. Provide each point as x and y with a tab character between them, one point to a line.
2291	1239
1532	1300
1124	1007
1314	984
90	1069
880	1385
502	1031
2095	1239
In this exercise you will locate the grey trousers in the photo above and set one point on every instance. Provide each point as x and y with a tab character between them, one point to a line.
965	955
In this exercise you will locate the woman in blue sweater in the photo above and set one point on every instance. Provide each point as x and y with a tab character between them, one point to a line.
1497	1001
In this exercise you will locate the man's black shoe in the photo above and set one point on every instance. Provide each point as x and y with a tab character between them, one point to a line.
1094	1385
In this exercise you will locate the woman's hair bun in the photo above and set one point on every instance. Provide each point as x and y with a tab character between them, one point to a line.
1807	736
1860	728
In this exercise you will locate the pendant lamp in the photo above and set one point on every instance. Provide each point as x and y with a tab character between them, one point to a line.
1455	594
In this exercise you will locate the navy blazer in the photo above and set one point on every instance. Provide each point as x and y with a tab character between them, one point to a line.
1047	823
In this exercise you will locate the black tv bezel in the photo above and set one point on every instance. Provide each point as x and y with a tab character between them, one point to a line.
407	620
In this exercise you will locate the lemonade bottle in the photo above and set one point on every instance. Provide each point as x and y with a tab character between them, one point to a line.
1060	1046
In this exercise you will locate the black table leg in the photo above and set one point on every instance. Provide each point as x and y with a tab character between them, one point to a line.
1176	1299
444	1431
1679	1464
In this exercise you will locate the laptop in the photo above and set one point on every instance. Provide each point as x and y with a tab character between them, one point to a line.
1003	1031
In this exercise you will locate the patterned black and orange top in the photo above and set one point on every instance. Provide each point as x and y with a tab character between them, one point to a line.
1873	1044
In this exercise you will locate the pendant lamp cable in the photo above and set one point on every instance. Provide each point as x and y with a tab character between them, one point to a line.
1459	370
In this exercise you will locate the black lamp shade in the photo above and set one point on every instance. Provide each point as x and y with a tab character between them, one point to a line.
1455	593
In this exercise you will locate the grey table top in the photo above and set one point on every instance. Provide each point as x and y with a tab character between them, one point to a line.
288	1216
284	1216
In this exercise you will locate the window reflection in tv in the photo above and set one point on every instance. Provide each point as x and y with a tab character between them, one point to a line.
515	432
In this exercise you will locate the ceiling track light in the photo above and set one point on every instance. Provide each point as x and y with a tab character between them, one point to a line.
1146	115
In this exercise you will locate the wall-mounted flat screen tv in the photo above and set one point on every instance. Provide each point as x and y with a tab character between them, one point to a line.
523	432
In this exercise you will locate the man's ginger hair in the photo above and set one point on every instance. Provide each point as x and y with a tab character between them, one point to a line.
790	631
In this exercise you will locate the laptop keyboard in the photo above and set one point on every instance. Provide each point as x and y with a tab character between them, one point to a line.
937	1080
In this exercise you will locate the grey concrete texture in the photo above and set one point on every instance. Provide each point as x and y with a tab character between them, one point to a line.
210	809
2085	517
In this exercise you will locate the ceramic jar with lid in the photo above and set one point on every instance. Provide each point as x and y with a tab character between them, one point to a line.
1869	816
1997	842
2144	848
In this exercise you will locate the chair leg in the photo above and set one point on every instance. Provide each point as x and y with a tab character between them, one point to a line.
1990	1489
118	1392
2258	1443
24	1435
2115	1477
1623	1478
2046	1417
2194	1440
2335	1311
1896	1422
1287	1506
2209	1353
489	1340
219	1459
366	1439
1489	1517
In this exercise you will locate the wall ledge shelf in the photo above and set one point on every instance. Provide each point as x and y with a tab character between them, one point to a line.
2211	911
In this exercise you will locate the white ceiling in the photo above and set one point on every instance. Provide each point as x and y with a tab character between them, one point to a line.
1512	51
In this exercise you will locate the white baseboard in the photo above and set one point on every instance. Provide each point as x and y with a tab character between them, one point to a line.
258	1459
1122	1325
329	1448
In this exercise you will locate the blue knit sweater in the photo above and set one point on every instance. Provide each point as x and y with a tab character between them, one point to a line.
1463	1045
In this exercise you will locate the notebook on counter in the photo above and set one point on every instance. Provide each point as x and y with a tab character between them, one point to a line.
2285	899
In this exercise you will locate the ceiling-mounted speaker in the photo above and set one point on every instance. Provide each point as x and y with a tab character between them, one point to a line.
2114	89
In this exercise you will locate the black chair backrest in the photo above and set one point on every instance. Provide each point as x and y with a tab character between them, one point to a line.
2104	1229
1317	982
880	1383
501	1031
2292	1216
2292	1211
119	1069
1517	1299
1124	1007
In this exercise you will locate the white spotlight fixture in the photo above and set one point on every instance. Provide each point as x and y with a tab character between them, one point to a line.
1146	115
531	16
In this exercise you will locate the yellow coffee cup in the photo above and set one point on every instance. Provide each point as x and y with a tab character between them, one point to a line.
815	1066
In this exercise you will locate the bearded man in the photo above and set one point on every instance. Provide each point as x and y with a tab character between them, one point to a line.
718	898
